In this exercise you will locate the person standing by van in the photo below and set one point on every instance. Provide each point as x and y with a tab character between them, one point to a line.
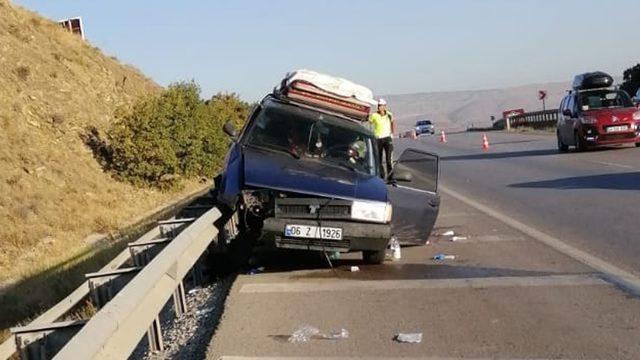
383	129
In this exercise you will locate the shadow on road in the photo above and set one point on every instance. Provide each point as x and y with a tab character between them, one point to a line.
619	181
287	261
513	142
501	155
415	271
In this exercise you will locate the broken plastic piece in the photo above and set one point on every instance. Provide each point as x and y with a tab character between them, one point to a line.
448	233
308	332
458	238
441	257
413	338
355	269
395	248
303	334
337	335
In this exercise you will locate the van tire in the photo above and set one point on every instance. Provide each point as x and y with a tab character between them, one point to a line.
561	146
373	257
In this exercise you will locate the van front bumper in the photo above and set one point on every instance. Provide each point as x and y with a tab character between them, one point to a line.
356	236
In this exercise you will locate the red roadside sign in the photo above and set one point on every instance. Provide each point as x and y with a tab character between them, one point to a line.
542	94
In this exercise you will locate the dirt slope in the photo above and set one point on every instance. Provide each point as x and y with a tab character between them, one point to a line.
53	194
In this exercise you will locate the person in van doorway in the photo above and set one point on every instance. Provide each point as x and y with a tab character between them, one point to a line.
383	129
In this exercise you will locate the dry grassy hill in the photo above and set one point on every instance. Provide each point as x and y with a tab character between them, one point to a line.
53	194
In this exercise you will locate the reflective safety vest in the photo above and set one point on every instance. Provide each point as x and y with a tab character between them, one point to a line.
381	124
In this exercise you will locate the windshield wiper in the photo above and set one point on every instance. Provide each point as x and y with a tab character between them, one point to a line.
276	148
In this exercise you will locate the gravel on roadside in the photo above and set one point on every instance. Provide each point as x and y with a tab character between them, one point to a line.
187	337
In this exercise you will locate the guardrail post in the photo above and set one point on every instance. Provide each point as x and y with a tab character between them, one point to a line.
154	336
180	300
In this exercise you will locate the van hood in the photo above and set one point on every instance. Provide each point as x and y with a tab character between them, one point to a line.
281	171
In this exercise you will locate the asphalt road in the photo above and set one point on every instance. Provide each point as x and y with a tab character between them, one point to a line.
510	293
504	296
589	200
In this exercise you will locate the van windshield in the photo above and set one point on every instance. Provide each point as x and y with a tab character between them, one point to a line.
307	134
604	99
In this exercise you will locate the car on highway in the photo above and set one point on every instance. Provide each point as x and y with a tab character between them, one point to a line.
303	173
424	127
596	114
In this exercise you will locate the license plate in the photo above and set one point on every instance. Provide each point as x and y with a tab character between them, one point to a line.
617	128
313	232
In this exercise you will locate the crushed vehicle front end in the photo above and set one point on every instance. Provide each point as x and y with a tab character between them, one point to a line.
299	221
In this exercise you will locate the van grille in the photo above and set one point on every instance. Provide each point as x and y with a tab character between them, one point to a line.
308	208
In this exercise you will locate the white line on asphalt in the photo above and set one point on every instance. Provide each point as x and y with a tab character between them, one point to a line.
610	164
612	273
488	282
491	238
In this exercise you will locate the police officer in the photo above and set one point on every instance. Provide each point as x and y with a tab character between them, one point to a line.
383	129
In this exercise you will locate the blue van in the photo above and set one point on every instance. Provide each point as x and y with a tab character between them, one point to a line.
304	177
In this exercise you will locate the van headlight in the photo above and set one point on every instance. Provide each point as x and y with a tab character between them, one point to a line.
374	211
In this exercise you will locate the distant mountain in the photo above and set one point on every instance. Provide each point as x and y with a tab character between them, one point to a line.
459	109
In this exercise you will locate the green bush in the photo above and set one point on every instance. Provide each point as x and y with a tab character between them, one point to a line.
631	80
172	136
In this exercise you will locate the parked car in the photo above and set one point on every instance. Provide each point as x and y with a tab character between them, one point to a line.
303	174
424	127
595	114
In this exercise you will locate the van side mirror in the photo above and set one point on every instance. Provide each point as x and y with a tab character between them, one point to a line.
230	129
567	112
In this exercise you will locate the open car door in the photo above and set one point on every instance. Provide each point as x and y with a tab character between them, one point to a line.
414	196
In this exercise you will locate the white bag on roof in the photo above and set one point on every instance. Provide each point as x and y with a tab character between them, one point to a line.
335	85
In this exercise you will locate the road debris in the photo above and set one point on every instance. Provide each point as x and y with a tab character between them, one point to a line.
395	248
337	335
204	311
307	332
458	238
355	269
413	338
448	233
257	270
441	257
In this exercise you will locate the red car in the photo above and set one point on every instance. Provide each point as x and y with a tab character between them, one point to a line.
595	114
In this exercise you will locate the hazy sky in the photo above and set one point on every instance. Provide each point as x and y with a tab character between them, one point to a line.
391	46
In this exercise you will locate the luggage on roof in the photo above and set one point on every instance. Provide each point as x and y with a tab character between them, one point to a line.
592	80
328	92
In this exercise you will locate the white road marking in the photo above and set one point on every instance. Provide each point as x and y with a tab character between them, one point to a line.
610	164
491	238
612	273
488	282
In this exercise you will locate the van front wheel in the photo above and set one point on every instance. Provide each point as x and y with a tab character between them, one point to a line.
374	257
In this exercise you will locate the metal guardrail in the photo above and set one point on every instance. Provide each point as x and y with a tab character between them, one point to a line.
175	244
116	329
52	318
536	120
